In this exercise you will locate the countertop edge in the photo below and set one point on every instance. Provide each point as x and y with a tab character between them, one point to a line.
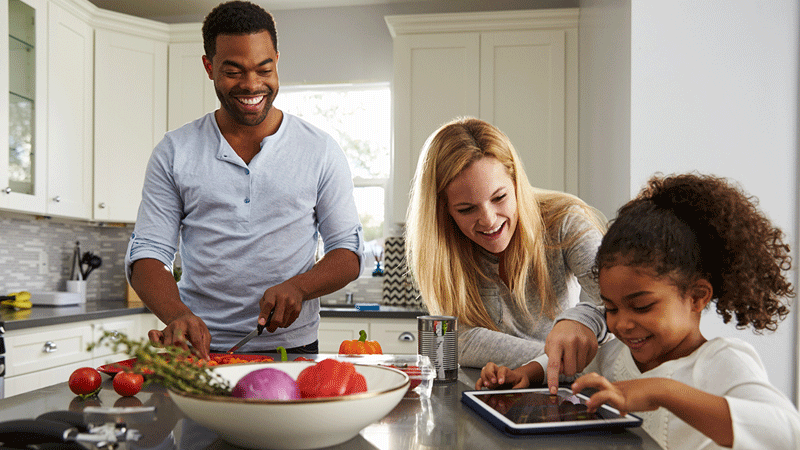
105	310
23	324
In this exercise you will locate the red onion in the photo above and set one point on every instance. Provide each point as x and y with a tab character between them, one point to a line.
267	384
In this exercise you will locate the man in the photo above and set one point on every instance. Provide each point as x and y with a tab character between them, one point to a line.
246	190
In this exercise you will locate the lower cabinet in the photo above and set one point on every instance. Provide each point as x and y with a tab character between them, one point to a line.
44	356
396	336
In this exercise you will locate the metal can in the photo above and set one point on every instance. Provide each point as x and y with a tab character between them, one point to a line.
438	339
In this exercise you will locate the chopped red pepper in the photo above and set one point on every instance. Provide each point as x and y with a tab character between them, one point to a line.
330	378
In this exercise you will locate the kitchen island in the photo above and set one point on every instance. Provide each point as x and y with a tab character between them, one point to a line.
438	422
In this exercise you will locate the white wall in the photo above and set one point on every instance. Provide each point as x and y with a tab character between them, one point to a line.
713	87
353	44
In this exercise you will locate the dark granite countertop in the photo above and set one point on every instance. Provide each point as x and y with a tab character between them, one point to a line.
440	421
39	316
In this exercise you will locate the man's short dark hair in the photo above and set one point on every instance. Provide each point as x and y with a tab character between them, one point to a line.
236	17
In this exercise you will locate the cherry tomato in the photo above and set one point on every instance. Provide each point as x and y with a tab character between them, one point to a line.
85	381
127	384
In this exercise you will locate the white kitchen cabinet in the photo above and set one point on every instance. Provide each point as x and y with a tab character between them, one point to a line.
396	336
191	92
334	330
517	70
129	326
130	112
70	93
43	356
23	111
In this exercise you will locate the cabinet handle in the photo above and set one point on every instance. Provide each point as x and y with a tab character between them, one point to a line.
407	337
50	347
7	190
102	206
57	198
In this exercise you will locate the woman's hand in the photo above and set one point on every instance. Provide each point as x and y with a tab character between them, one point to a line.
570	347
626	396
494	376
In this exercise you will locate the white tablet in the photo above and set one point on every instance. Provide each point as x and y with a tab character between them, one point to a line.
528	411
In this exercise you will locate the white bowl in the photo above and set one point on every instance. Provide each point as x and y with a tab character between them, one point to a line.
294	424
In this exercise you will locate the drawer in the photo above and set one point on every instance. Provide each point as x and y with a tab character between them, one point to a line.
47	347
397	337
127	326
332	332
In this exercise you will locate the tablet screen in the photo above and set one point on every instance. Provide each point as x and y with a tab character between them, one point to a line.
535	410
538	407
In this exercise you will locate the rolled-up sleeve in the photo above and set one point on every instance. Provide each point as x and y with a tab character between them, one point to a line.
339	225
155	234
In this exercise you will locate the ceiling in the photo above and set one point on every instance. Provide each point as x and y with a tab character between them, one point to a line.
165	10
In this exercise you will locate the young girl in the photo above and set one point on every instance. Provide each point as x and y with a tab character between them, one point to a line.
683	242
503	257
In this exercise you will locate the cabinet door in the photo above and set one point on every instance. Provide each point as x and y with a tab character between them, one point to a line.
191	93
436	79
69	137
21	384
332	331
23	96
397	337
130	119
525	80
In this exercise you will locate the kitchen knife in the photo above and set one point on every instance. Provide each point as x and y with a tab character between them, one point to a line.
257	332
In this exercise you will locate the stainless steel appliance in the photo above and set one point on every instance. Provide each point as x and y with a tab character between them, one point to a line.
2	361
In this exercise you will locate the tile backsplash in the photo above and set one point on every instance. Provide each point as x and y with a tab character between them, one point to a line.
23	237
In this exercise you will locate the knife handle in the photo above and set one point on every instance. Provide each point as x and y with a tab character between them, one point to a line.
266	324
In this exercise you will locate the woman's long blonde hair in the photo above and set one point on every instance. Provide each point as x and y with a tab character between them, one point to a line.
442	259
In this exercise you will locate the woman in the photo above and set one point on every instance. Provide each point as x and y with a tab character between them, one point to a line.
503	257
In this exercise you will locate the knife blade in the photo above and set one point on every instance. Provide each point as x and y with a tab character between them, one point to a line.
257	332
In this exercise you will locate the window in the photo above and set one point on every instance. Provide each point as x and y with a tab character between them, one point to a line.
358	116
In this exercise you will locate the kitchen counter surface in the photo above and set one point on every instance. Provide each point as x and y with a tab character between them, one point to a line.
39	315
54	315
438	422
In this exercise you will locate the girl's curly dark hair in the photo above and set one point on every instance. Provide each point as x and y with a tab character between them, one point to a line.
695	226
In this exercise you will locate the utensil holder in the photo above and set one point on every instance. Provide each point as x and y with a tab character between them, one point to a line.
79	287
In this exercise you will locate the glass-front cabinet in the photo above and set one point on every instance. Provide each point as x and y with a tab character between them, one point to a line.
23	81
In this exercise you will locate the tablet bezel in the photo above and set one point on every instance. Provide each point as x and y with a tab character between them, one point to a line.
471	398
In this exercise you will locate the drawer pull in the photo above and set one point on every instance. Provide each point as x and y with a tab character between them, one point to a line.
406	337
50	347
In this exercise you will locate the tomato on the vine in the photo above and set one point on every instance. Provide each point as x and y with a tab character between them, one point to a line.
85	381
127	383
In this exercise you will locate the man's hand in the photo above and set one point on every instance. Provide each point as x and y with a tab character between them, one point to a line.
183	331
286	299
570	347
